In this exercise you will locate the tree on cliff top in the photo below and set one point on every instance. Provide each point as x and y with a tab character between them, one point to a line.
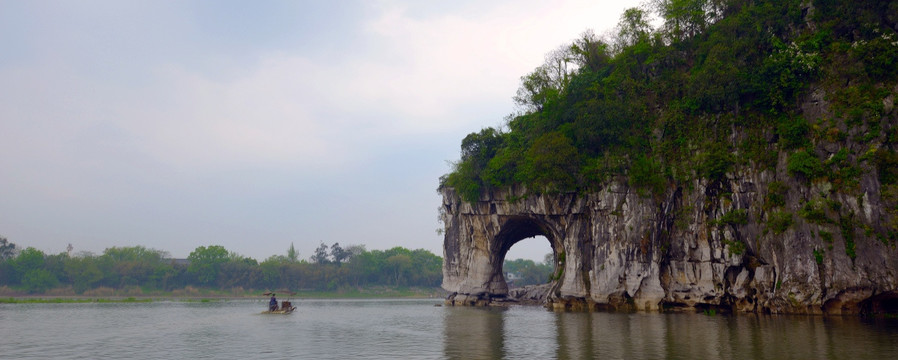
660	106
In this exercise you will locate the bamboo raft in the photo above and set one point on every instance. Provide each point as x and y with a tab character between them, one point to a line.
286	307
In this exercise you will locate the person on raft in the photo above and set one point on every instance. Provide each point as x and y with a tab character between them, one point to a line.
273	304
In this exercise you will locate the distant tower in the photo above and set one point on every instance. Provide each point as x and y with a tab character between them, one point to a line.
68	249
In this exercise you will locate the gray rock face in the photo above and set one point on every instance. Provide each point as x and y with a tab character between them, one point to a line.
714	244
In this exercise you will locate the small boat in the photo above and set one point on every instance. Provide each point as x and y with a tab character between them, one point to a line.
286	307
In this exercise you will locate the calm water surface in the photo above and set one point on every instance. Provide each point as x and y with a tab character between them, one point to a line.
392	329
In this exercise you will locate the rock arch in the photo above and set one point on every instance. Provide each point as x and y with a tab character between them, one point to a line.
617	249
517	228
478	236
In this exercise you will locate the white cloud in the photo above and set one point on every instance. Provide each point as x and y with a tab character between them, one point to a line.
144	125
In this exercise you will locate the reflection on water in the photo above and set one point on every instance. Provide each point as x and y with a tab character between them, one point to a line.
473	333
536	333
697	336
416	329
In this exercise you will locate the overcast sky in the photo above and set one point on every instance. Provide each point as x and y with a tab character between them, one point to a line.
255	124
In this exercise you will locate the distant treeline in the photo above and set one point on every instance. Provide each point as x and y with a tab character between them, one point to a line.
150	270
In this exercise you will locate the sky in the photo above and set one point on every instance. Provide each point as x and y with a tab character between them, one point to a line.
255	125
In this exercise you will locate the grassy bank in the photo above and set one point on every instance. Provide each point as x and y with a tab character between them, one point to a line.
135	294
58	300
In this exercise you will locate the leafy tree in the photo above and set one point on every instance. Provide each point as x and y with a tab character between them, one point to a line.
687	18
718	163
292	255
28	260
633	27
805	164
132	266
7	249
205	262
531	273
339	254
29	266
646	176
321	255
135	253
551	163
399	266
590	53
83	273
39	280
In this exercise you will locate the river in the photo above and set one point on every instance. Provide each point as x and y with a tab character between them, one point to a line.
417	329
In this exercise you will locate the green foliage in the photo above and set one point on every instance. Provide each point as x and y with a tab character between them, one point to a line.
779	221
814	211
776	195
687	18
136	253
790	67
793	132
804	163
550	164
647	176
886	166
530	272
826	236
83	272
633	27
718	163
476	151
321	255
846	224
734	217
656	106
818	256
215	267
292	255
7	249
28	260
735	247
39	280
465	179
841	171
205	262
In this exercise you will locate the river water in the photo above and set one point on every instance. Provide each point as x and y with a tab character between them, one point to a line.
417	329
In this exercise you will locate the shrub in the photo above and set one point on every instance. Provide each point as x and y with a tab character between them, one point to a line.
818	256
847	226
646	176
886	166
735	217
735	247
793	132
805	164
717	164
776	194
779	221
813	211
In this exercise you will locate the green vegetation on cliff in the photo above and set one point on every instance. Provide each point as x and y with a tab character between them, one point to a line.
721	86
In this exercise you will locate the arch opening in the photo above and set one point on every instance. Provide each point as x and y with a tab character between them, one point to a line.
529	261
533	260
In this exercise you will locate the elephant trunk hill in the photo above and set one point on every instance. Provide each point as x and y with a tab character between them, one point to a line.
741	157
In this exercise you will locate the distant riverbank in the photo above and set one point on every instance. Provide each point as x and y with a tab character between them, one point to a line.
189	293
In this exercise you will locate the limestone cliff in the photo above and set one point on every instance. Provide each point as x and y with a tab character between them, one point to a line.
751	166
710	244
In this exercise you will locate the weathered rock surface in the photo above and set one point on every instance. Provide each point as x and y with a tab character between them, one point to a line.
617	249
530	294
